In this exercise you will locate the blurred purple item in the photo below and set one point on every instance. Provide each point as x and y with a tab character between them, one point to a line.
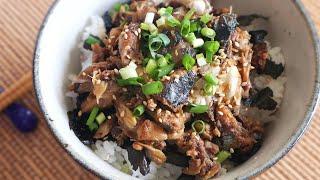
22	118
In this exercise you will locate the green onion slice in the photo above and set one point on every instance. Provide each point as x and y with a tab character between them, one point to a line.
194	26
92	116
165	11
211	79
165	39
222	156
162	61
212	46
172	21
206	18
208	32
185	27
138	111
152	88
151	66
92	40
155	43
198	126
101	118
162	71
190	37
198	109
188	61
190	13
93	126
135	81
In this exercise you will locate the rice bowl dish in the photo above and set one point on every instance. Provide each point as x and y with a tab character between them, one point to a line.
174	89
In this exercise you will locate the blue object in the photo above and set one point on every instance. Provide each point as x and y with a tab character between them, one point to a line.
22	118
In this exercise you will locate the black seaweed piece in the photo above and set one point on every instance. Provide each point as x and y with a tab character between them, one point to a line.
174	157
262	100
258	36
225	26
79	127
186	177
139	159
107	21
239	158
81	98
177	91
246	20
273	69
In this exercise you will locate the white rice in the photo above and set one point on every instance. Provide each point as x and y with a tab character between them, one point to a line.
118	158
96	28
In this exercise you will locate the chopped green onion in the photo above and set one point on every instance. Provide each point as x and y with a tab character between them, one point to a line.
208	32
163	71
212	46
138	111
201	60
162	61
126	7
199	109
185	27
208	89
194	26
165	11
197	43
93	126
172	21
161	21
117	7
188	62
92	116
152	88
149	27
165	39
91	40
190	37
211	79
136	81
129	71
209	56
168	57
198	126
101	118
206	18
151	66
222	156
190	13
155	43
144	26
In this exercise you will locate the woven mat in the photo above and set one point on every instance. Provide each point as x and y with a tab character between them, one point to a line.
39	156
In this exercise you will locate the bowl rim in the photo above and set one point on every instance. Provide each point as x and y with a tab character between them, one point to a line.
279	155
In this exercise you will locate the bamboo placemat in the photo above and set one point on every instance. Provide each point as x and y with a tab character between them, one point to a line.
39	156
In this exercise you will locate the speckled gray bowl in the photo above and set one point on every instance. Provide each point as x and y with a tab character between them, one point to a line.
56	56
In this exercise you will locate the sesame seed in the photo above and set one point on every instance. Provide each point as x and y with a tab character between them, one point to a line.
116	71
145	103
112	37
139	30
251	67
84	74
109	41
237	44
126	30
127	47
215	158
176	52
125	89
159	110
160	120
231	150
129	57
122	114
245	64
109	117
80	113
220	113
230	106
192	91
136	33
126	36
114	97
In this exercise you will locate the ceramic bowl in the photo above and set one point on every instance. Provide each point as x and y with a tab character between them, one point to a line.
57	55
